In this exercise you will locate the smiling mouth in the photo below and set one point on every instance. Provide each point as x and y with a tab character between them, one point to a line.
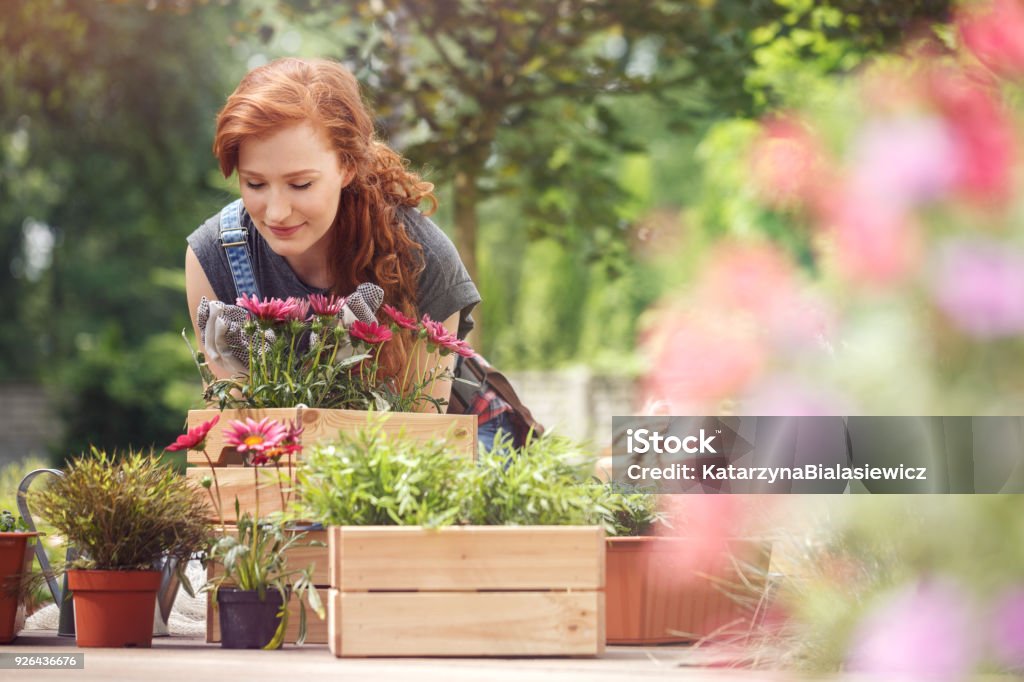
284	231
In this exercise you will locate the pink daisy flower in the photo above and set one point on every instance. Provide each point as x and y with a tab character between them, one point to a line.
300	308
195	439
370	332
268	309
326	305
399	318
437	334
255	437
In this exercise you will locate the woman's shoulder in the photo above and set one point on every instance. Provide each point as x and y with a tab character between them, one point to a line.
421	229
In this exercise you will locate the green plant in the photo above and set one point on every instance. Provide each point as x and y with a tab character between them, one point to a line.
124	513
9	523
370	478
547	482
631	513
254	559
253	556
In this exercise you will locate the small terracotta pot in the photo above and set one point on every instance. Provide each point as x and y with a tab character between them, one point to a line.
246	622
15	562
660	590
114	608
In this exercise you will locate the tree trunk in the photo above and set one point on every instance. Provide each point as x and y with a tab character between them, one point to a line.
465	201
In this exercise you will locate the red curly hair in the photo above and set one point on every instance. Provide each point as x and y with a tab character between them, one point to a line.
368	240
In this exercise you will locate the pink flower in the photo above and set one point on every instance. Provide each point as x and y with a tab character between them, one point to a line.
995	35
437	333
786	163
979	285
1007	630
268	309
700	359
328	306
923	631
982	135
400	319
300	308
195	439
370	332
256	437
873	243
462	348
292	442
904	160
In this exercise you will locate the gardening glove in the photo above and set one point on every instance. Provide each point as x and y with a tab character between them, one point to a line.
362	304
221	331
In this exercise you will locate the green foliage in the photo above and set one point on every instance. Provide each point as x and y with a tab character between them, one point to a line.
254	559
125	513
544	483
369	478
9	523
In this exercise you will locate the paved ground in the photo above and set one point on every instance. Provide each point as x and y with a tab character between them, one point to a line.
184	659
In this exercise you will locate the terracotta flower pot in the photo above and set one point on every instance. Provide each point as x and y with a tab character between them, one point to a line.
15	562
114	608
246	621
662	590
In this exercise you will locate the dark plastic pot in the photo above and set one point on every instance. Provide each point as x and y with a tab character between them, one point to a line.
245	621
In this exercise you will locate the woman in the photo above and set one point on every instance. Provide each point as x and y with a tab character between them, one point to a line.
326	206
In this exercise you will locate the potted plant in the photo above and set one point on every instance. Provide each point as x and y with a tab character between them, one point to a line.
311	362
664	587
250	582
434	555
124	514
16	552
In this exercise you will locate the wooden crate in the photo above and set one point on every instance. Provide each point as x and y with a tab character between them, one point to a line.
298	557
237	481
466	591
459	429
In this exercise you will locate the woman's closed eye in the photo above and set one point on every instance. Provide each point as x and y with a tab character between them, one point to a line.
261	185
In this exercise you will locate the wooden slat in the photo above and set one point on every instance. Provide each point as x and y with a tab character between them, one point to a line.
238	482
460	429
466	558
316	629
466	623
299	556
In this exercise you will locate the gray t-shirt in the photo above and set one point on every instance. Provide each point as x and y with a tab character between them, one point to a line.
444	285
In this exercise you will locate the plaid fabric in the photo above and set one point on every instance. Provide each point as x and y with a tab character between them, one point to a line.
487	405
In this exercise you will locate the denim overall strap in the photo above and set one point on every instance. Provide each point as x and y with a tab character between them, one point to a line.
233	237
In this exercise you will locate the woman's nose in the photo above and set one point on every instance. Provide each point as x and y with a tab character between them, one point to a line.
278	208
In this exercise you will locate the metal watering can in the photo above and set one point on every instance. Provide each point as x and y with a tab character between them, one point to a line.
66	626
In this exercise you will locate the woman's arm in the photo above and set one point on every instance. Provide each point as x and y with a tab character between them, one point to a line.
198	285
442	388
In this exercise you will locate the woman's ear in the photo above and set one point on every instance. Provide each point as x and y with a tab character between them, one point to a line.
348	173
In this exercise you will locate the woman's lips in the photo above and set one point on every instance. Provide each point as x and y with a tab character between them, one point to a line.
285	231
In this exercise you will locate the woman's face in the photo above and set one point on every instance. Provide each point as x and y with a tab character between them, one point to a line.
291	182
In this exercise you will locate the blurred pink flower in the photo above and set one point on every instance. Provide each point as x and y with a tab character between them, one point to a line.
708	522
923	631
786	163
982	135
903	161
326	305
300	308
698	360
788	396
1007	630
994	32
874	244
979	285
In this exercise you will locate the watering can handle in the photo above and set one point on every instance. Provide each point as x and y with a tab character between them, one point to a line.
44	563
